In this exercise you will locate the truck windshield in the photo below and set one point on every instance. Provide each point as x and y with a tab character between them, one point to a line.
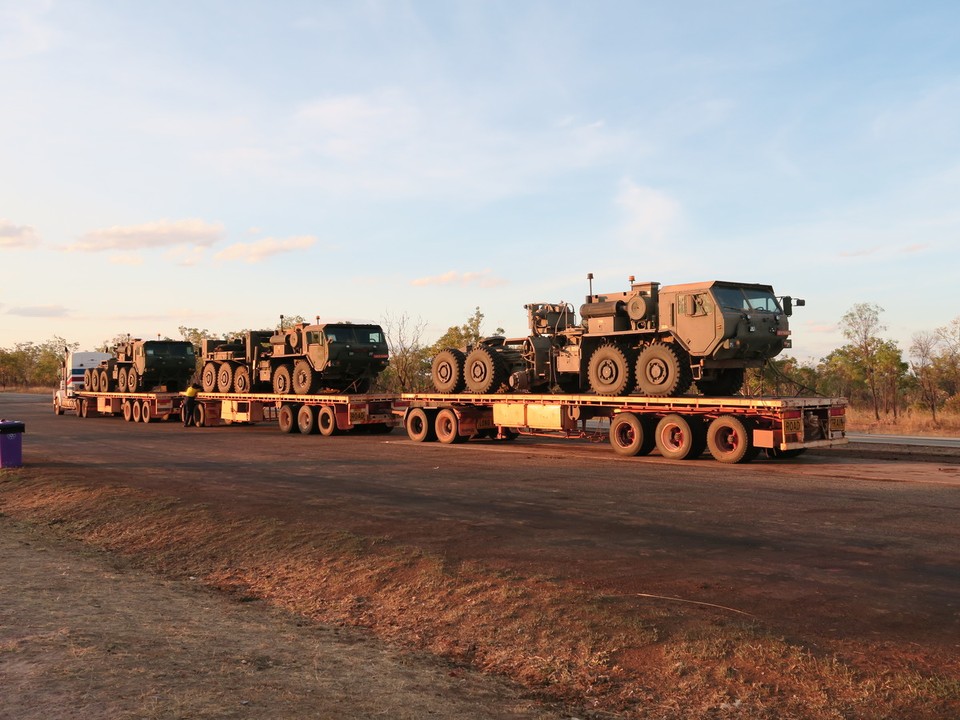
360	335
169	349
734	298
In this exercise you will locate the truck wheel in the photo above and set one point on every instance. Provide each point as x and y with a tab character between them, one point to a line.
85	410
281	380
87	381
679	437
447	427
241	380
725	382
327	421
133	380
127	410
419	427
307	419
483	371
105	381
122	381
146	412
303	378
57	407
135	408
730	440
660	372
225	377
446	371
631	435
609	371
287	418
208	377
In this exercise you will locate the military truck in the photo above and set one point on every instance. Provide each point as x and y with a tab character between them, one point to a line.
657	340
140	365
303	359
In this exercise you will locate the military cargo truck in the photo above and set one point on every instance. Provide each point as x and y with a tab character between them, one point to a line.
140	365
656	340
303	359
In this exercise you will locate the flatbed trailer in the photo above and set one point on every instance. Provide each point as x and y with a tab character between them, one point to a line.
307	414
734	429
134	407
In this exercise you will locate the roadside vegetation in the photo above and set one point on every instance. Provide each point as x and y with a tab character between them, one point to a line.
891	389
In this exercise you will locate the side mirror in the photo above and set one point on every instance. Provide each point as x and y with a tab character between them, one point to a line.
789	303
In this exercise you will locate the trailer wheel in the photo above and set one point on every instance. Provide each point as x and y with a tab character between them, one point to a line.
287	418
609	371
327	421
241	380
730	440
447	427
225	377
208	377
135	407
307	419
146	412
133	380
679	437
127	408
303	378
446	371
631	435
281	380
419	427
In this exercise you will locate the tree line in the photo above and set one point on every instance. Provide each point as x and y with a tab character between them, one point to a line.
869	369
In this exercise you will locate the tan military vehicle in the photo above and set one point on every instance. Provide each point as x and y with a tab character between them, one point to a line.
652	339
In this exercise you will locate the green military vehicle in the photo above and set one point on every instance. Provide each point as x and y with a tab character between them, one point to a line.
654	340
144	365
302	359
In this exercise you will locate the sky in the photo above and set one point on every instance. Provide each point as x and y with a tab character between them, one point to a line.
216	164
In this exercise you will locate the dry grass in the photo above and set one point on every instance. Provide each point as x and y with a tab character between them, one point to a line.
909	422
642	658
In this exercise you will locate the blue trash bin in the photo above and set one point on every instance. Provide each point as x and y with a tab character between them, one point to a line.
11	450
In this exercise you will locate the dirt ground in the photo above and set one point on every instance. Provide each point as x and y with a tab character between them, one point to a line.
827	587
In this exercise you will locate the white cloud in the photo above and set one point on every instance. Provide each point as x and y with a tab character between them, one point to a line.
17	236
39	311
150	235
482	279
257	251
650	215
127	259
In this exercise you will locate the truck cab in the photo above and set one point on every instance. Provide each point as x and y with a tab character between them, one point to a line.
70	375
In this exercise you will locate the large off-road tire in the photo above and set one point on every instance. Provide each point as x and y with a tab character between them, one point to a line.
730	439
680	437
327	421
446	371
106	384
631	434
447	427
93	383
241	380
122	381
483	371
287	418
208	377
661	372
307	419
609	371
419	425
304	378
225	377
134	381
725	382
282	384
87	383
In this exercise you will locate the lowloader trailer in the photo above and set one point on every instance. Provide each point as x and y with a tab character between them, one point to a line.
134	407
734	429
307	414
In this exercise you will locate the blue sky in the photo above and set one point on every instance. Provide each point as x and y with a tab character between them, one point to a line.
216	164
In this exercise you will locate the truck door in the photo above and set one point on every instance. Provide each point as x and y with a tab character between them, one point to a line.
317	350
